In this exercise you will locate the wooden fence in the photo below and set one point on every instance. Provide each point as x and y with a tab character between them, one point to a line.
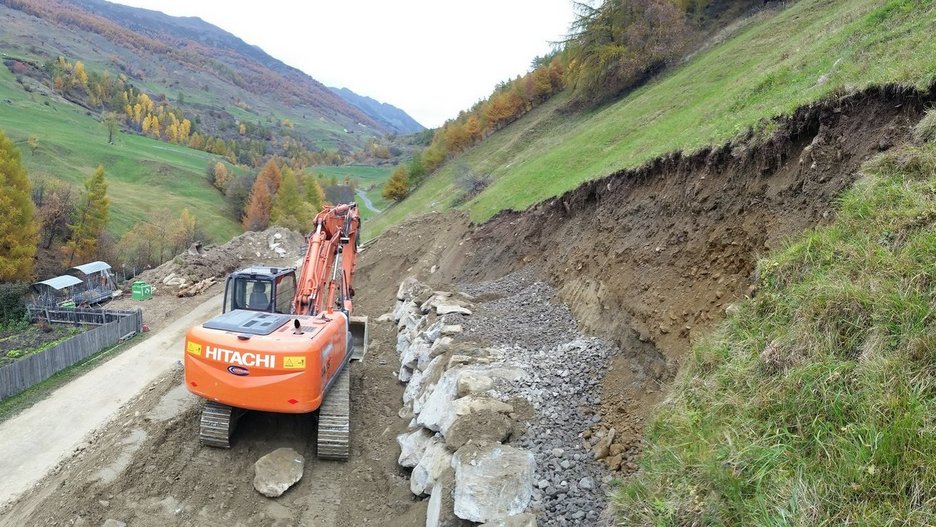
71	315
24	373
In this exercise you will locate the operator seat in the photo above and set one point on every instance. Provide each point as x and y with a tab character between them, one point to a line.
258	298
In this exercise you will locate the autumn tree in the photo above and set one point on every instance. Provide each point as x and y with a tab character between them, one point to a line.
397	187
257	214
33	143
91	220
18	231
289	209
314	195
219	176
616	44
265	186
185	231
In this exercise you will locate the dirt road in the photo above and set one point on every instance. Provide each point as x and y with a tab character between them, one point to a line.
36	440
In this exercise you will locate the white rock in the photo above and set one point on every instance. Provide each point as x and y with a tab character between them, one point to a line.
386	317
430	379
403	342
405	374
441	508
434	331
431	465
438	404
407	288
452	329
414	351
414	386
492	482
447	309
440	346
473	383
277	471
412	446
468	405
518	520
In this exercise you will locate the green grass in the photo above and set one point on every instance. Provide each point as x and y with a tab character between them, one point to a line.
143	175
815	404
769	68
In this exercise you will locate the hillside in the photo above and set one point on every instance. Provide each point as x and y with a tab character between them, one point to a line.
388	116
247	105
756	70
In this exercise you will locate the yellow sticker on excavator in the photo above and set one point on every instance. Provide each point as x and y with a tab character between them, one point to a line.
294	363
194	348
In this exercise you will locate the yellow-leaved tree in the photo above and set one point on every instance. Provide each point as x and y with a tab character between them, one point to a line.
18	230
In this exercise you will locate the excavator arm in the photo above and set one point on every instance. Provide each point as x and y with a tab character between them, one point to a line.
329	263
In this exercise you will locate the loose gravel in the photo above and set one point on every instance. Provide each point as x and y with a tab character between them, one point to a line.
539	335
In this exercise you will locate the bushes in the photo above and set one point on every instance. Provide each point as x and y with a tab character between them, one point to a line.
13	302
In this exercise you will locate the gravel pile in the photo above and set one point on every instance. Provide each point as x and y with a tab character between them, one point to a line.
563	386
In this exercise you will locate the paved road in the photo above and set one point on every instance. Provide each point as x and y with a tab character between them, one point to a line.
35	441
367	202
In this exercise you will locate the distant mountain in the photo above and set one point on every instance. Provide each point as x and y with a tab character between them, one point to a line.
387	115
172	55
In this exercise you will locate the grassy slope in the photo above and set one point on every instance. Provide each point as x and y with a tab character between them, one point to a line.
768	68
143	175
815	403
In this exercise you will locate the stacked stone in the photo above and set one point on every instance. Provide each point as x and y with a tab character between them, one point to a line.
457	432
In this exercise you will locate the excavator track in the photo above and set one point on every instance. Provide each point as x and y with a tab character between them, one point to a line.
334	420
217	424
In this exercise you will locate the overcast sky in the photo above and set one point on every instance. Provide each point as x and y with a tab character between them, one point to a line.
432	58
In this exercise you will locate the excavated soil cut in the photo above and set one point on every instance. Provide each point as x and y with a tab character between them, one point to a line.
648	259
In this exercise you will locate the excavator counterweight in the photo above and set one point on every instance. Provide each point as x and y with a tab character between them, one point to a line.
285	340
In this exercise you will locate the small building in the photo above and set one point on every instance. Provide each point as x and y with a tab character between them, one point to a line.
57	292
97	283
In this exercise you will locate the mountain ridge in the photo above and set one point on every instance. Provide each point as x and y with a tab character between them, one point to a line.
384	113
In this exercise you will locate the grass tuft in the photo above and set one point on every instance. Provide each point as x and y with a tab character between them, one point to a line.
815	404
925	130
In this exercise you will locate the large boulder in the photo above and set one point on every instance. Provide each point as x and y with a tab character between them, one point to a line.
441	509
438	405
414	351
471	404
433	463
492	482
427	382
483	426
275	472
412	446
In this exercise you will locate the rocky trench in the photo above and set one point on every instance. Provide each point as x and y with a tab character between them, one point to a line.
502	397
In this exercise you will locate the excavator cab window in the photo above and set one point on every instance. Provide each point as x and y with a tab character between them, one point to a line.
243	292
285	290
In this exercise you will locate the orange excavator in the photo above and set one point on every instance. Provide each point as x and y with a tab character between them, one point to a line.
283	342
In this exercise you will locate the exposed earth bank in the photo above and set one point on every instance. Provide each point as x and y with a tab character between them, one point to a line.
648	259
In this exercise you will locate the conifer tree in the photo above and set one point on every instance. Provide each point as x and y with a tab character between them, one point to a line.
91	220
18	230
314	195
289	209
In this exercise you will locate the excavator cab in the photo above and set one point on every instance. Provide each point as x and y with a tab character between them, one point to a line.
271	290
267	289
